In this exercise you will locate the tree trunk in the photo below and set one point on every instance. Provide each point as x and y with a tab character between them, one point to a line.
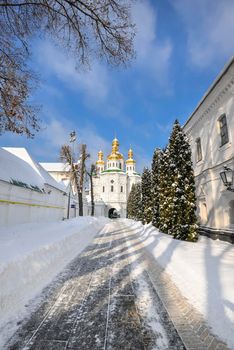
80	200
92	196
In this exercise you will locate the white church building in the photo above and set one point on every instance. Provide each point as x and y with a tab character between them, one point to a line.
113	181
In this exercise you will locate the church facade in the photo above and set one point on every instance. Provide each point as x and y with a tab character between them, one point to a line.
113	181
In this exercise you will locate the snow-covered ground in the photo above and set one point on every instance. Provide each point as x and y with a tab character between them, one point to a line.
30	257
204	273
32	254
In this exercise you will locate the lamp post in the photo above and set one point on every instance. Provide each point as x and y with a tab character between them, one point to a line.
227	177
72	140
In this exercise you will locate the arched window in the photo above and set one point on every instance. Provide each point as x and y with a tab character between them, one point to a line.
113	165
121	189
203	209
112	188
120	166
198	149
103	189
231	212
223	129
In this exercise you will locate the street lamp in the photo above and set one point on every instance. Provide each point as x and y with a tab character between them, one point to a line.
227	178
72	136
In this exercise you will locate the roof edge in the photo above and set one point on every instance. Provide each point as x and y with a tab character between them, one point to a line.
213	85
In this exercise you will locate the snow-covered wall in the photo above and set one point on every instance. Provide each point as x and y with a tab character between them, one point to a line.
27	192
22	205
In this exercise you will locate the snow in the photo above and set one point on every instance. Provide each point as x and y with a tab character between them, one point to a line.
204	273
55	167
31	255
25	173
23	154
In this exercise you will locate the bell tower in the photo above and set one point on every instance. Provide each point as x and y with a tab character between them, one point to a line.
130	163
100	163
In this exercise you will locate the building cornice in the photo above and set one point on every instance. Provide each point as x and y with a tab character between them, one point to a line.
216	81
210	108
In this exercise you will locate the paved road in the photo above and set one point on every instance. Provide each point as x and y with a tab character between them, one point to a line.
104	299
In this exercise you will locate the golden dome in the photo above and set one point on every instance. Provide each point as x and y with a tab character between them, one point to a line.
130	154
100	160
115	154
100	155
130	159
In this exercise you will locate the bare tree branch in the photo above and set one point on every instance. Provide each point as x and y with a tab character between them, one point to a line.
84	28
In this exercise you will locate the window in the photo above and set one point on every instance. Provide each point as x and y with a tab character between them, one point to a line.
120	166
121	189
112	188
199	149
203	213
223	129
103	189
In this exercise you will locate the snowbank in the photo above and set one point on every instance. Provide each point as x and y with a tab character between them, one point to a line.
22	154
31	255
204	273
25	173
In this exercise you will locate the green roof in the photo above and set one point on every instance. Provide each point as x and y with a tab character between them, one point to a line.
112	171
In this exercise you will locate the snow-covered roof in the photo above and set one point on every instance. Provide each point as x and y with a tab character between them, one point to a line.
38	170
55	167
12	168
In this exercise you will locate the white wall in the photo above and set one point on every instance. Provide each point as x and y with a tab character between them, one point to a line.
30	206
204	124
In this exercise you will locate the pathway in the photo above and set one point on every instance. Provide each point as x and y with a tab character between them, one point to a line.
104	299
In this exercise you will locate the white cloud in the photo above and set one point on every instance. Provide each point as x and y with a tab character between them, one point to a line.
94	142
153	55
210	27
94	83
57	131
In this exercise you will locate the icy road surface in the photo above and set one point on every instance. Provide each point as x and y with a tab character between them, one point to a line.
104	299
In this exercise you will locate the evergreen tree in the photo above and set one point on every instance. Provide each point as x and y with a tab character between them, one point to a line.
134	202
156	165
165	195
181	203
130	203
138	202
146	196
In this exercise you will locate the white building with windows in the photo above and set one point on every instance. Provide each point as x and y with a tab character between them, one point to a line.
210	130
113	181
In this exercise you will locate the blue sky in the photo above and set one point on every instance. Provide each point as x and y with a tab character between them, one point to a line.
181	46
